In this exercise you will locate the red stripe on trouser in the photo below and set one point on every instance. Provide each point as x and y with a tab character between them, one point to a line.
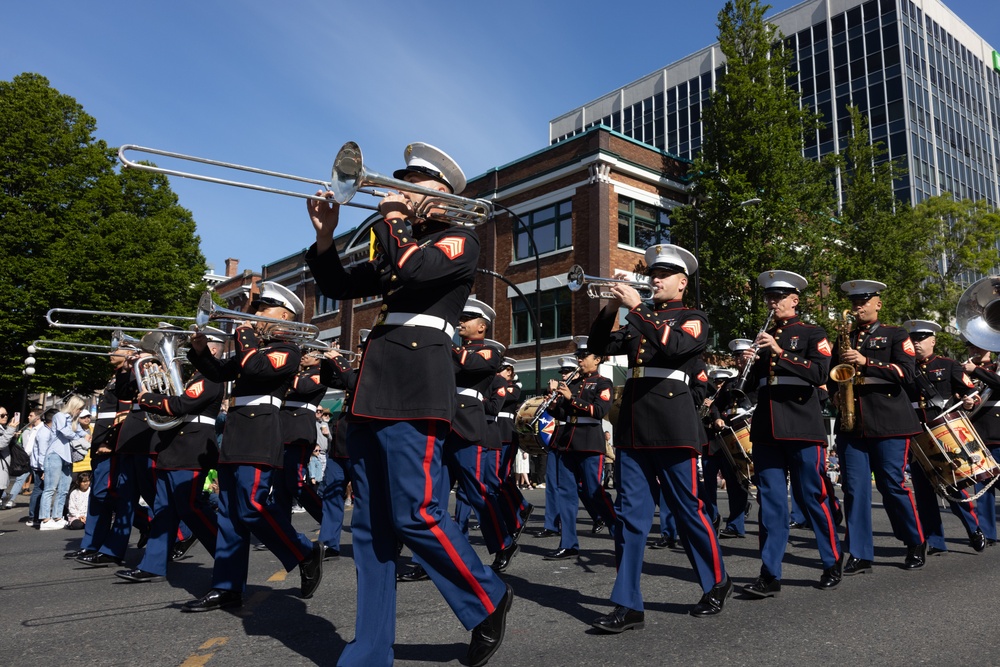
486	503
709	529
831	529
972	508
270	519
909	494
439	534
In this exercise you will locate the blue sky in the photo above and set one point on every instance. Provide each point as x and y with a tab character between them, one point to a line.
282	85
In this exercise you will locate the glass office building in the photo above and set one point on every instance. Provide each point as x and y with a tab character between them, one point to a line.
928	83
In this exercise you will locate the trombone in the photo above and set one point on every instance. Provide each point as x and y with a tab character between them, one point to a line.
49	317
598	288
71	347
276	329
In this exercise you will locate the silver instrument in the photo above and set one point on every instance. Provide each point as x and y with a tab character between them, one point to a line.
597	288
50	318
161	372
271	327
71	347
738	388
977	315
318	350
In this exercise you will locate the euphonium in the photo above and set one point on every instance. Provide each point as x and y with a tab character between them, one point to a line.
843	374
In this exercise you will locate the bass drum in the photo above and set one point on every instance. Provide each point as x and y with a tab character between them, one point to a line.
526	426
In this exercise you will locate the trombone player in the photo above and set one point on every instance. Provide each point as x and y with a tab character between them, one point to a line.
402	408
882	358
787	431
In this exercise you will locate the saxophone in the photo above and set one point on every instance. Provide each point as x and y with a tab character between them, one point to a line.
843	374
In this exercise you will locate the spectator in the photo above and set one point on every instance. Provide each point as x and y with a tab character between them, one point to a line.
79	498
25	441
522	463
39	450
59	463
323	429
8	427
316	465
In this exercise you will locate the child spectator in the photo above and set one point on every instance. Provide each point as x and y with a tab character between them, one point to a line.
316	463
78	499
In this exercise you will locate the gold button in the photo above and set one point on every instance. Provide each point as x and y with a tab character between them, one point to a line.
670	394
778	332
384	308
774	363
413	344
252	414
405	240
393	277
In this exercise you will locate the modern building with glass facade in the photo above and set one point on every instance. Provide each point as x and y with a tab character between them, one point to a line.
928	83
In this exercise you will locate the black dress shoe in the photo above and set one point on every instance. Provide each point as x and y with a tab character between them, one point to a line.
138	576
311	571
561	554
523	516
620	620
916	556
763	587
838	515
181	547
977	540
934	551
832	576
798	525
599	527
69	555
488	635
504	556
415	573
143	539
97	559
730	532
664	543
330	552
711	603
990	542
857	566
545	532
214	599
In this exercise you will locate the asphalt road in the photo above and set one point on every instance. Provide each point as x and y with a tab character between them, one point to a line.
56	612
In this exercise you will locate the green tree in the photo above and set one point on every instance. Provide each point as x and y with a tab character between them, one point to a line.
76	234
759	203
879	237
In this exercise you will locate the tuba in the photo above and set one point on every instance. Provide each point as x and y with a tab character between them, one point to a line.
161	373
843	374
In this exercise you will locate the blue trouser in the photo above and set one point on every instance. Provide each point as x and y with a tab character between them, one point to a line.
335	479
930	512
796	513
17	486
463	510
290	483
134	479
464	461
637	472
178	498
100	507
243	510
986	505
552	490
668	525
397	479
711	466
512	502
581	477
35	501
805	463
58	473
886	458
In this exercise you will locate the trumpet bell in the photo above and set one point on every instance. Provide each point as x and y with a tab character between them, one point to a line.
977	315
599	288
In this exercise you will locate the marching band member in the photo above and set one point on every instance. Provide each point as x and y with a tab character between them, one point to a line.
936	381
551	527
788	433
980	367
581	405
882	357
251	449
726	411
658	434
184	454
476	364
402	408
298	429
506	394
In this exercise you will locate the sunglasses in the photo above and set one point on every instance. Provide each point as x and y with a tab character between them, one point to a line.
3	414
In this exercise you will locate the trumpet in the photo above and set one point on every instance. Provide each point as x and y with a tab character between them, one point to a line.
597	288
269	327
318	349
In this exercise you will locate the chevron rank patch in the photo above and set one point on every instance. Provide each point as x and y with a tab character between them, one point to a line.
823	347
692	327
451	246
908	347
196	389
277	359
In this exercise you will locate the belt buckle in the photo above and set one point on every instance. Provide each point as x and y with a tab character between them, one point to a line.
232	402
772	380
859	380
637	372
572	420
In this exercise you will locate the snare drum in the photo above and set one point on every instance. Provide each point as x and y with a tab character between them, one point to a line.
953	455
738	450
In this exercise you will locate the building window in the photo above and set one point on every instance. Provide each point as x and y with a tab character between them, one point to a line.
325	305
641	225
551	227
555	316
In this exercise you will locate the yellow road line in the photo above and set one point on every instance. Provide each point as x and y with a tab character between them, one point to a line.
278	576
201	659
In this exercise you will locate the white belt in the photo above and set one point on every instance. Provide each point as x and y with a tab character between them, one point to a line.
992	404
419	320
784	379
136	406
199	419
666	373
584	420
106	415
244	401
295	405
507	415
471	393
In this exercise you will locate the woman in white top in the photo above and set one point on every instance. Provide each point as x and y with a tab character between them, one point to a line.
59	463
